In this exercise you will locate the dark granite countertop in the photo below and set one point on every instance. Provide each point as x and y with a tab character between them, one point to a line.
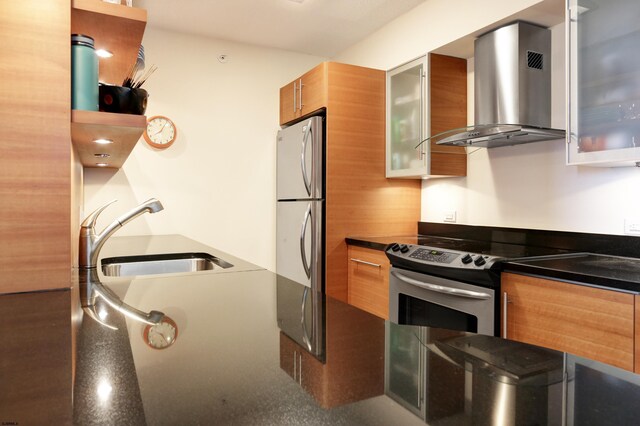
613	272
236	361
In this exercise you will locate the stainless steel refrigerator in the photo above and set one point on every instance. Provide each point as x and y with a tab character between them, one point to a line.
300	203
300	231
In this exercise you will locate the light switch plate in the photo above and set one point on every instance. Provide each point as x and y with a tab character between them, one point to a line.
632	226
450	216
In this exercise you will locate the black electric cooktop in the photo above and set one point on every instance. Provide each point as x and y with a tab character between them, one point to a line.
502	250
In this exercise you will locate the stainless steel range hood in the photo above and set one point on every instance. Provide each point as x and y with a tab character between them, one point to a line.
512	90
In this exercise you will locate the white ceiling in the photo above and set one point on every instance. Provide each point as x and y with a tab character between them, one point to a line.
316	27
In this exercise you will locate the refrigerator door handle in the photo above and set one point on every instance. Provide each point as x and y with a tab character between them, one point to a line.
303	157
305	333
303	231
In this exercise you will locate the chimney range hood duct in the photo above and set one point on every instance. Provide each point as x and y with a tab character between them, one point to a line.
512	90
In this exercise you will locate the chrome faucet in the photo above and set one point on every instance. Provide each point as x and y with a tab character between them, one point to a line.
91	243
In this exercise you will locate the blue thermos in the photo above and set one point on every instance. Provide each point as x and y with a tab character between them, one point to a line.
84	73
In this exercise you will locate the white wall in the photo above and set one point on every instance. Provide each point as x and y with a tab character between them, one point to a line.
217	182
525	186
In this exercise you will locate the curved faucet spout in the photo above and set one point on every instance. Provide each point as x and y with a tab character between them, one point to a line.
91	288
91	242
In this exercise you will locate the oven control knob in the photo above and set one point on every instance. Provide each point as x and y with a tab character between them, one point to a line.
395	247
480	261
467	259
404	248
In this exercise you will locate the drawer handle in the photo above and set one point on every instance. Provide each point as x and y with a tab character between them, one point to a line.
364	262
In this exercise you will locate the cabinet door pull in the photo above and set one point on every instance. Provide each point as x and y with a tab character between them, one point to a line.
505	313
421	134
294	97
364	262
303	250
300	94
295	367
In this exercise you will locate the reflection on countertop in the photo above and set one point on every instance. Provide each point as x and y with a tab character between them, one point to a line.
233	363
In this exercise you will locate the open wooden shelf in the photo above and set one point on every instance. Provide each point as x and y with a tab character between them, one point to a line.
118	29
114	27
123	129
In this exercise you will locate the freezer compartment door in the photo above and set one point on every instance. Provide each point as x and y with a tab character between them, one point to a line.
300	160
299	242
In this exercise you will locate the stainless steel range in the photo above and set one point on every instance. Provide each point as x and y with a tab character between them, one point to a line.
443	288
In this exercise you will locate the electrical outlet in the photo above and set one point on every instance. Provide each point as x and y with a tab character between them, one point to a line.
632	226
450	216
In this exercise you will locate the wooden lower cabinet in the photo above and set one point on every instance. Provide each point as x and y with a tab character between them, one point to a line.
353	369
637	334
368	282
589	322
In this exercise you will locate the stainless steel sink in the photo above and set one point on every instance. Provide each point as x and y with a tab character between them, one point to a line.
127	266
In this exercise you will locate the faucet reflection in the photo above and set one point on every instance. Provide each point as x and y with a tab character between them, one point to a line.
90	244
91	288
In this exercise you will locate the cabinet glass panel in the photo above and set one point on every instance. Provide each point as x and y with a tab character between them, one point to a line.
405	119
404	360
604	80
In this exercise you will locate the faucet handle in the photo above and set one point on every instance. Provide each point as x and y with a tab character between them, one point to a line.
90	221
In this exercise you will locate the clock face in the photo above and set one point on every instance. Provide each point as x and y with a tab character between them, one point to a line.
160	132
162	335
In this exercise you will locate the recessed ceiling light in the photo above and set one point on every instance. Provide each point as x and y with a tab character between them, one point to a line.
102	164
103	53
103	141
101	155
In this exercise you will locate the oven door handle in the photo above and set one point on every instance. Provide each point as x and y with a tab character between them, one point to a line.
441	289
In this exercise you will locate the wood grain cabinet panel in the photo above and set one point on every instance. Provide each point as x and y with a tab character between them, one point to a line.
369	280
590	322
35	154
447	110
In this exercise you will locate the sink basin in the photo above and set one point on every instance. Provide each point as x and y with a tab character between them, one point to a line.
127	266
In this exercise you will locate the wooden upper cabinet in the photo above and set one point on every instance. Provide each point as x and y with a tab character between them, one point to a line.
304	95
589	322
425	97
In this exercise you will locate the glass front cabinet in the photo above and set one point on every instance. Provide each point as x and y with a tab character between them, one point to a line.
406	123
604	82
